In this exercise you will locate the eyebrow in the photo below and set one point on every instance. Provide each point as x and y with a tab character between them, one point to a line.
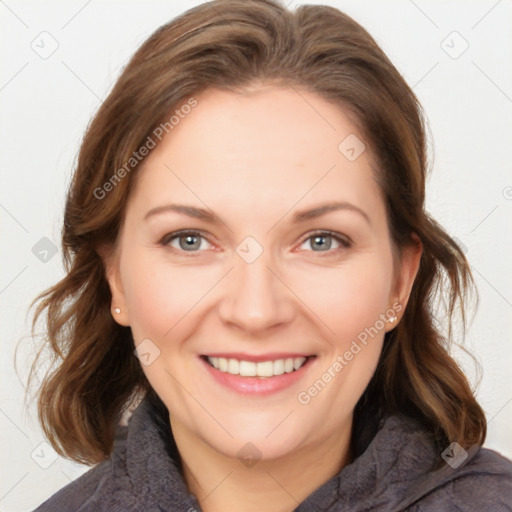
298	217
317	211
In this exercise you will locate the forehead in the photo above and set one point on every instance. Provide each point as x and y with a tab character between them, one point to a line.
256	149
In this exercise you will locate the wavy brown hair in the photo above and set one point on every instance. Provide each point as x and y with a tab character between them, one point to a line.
233	45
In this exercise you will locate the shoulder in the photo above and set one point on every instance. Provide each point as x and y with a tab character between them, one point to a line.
140	475
484	483
74	496
81	494
402	470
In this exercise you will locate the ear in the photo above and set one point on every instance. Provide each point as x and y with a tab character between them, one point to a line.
118	307
405	273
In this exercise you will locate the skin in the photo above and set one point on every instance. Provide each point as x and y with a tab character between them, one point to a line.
254	159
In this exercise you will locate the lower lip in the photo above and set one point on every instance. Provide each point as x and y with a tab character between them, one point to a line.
256	385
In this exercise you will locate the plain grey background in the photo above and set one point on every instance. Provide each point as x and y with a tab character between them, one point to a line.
60	59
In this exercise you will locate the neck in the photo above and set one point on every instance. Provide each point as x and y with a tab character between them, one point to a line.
223	483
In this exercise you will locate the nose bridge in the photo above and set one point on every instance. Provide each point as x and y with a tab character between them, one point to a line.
255	298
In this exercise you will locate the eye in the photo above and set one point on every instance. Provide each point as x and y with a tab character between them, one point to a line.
323	241
194	241
188	241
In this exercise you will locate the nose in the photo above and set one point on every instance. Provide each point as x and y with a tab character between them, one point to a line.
255	298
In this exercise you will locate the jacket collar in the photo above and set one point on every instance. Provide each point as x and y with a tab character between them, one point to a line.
394	471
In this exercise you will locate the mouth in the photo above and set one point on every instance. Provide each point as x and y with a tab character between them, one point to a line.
257	375
262	369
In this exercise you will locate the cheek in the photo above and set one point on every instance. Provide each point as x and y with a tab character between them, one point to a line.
159	296
347	300
350	302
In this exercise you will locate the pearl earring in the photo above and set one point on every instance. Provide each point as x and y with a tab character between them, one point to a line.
117	310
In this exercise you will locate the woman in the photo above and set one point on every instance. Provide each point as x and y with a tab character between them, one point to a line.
251	272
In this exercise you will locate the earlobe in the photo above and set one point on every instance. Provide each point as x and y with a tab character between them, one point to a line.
406	272
118	307
409	266
393	315
119	316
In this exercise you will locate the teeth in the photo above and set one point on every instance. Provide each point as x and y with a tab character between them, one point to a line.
247	369
279	367
233	366
265	369
251	369
298	362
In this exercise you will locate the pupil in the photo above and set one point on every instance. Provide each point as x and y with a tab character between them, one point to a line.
191	242
322	244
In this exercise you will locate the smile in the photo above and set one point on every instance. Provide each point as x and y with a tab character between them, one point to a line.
262	369
257	375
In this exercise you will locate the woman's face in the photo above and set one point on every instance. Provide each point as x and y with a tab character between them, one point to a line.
255	243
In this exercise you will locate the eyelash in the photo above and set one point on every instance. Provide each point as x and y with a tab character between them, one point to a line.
344	241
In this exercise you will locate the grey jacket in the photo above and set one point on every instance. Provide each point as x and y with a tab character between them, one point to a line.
394	473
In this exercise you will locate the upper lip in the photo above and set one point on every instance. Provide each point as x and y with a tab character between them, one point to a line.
258	357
